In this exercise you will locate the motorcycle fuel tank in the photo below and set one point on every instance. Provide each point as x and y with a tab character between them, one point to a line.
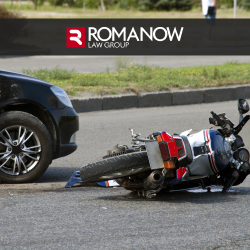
218	145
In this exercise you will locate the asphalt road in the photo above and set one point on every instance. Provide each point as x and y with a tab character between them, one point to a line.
44	215
88	64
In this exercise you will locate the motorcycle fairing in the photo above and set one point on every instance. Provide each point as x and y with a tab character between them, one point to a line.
202	163
110	183
214	158
186	133
208	152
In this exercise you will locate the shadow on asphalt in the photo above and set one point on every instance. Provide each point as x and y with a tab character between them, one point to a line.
184	196
57	174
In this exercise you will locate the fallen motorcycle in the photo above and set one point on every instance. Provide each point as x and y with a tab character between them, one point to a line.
176	162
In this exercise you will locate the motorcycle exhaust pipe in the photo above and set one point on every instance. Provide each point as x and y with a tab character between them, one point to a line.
154	180
129	185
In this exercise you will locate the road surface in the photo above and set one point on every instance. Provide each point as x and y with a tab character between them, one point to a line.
44	215
89	64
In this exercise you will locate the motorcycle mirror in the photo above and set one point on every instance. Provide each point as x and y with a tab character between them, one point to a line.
243	106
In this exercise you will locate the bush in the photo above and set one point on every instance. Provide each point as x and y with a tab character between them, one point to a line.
145	5
165	4
56	2
89	4
8	14
55	73
245	4
226	3
109	4
126	4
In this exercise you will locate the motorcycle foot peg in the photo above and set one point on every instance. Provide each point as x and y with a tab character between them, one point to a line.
230	182
150	194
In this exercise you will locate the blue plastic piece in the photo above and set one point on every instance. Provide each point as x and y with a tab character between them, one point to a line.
75	178
103	184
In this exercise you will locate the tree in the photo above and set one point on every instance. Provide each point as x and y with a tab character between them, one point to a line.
102	6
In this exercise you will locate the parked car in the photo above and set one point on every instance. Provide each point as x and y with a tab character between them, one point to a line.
37	124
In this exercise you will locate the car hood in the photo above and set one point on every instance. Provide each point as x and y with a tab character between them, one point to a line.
22	77
19	88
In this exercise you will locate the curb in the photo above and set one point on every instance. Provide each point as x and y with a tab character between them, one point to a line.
161	99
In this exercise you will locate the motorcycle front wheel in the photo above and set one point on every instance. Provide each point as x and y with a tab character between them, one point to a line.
115	167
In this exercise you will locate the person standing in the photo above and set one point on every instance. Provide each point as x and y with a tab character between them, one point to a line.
209	11
209	8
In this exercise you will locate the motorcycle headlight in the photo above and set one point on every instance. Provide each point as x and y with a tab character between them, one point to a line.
242	154
62	96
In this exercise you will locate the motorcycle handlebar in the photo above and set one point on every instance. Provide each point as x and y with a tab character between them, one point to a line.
220	122
241	124
235	130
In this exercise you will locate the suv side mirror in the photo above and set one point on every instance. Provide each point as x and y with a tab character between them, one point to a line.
243	106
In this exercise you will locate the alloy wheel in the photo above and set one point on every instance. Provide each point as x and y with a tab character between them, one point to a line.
20	150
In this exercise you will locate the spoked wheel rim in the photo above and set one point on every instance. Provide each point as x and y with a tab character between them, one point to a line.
20	150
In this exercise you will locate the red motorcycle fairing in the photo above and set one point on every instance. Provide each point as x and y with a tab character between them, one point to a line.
174	147
171	146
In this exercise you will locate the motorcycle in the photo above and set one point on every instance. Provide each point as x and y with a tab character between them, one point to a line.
211	157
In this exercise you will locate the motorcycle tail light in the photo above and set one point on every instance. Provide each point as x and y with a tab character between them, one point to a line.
169	164
164	151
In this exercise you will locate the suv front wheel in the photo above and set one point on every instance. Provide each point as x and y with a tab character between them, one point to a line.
25	147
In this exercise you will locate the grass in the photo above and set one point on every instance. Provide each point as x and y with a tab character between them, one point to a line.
48	11
139	78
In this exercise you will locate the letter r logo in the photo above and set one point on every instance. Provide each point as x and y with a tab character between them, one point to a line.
75	37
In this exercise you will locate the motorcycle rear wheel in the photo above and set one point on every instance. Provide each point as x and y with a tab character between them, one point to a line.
115	167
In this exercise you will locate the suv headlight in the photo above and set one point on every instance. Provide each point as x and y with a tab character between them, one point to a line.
62	96
73	138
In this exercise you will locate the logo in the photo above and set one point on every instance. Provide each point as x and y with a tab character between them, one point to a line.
75	37
111	38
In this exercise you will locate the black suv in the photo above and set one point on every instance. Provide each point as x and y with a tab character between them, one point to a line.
37	124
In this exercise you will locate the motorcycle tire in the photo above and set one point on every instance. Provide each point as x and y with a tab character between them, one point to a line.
115	167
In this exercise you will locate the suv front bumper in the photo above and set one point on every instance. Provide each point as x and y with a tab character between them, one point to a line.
67	124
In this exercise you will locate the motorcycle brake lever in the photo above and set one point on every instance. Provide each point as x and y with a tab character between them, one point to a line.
134	135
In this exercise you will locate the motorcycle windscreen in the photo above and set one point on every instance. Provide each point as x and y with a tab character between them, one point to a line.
154	155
